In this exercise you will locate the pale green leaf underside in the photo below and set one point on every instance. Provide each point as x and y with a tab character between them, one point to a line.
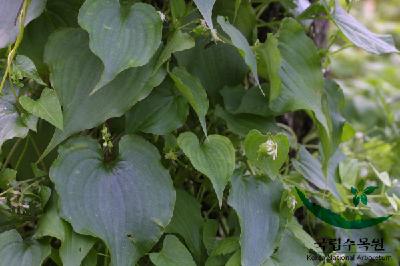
205	7
75	72
14	251
12	125
240	42
256	203
9	13
46	107
215	158
264	162
120	40
362	37
192	89
126	203
173	253
301	76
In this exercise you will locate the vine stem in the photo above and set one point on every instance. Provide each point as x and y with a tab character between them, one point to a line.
11	55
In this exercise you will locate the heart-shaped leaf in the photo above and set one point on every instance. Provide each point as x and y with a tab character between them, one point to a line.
215	158
121	36
192	89
256	202
126	203
240	42
83	69
173	253
267	159
46	107
14	251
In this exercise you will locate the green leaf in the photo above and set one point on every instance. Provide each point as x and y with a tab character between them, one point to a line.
234	260
364	199
46	107
163	111
241	124
238	100
354	191
359	35
120	40
216	66
9	13
240	42
80	110
290	252
127	203
253	146
215	158
173	253
179	41
192	89
256	203
210	229
13	125
14	251
269	64
303	237
356	200
27	68
205	7
6	176
178	8
311	169
226	246
57	14
74	247
301	77
369	190
241	14
187	222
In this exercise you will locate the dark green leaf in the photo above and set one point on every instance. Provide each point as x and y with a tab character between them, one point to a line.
240	42
192	89
369	190
126	203
173	253
364	199
187	222
216	66
120	40
356	200
163	111
354	191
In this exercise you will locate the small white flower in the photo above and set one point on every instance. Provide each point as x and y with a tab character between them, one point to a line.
270	148
162	15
